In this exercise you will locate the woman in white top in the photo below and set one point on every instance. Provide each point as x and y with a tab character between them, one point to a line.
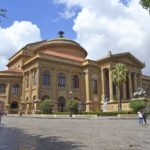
140	115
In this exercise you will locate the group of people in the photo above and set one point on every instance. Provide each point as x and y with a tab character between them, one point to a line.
142	115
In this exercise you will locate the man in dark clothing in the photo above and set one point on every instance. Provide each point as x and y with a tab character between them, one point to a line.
145	117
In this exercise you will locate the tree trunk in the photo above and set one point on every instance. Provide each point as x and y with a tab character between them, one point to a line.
119	100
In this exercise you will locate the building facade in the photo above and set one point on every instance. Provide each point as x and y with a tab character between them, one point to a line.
58	70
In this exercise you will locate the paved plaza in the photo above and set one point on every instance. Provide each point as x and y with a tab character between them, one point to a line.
102	133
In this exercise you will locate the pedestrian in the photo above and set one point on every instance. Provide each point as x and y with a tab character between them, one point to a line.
1	113
0	119
140	116
145	117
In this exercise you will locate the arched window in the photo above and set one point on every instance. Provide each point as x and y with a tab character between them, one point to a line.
15	89
75	81
14	105
2	88
61	80
94	85
46	78
45	97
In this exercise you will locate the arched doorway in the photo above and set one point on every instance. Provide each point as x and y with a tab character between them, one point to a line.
45	97
14	105
61	104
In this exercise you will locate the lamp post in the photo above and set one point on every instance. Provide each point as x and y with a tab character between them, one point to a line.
70	104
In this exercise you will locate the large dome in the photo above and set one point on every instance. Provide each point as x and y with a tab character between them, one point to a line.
59	45
64	46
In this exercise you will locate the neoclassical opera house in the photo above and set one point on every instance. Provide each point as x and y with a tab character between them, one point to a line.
57	69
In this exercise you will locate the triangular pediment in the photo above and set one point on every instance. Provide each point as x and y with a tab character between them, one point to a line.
129	59
126	58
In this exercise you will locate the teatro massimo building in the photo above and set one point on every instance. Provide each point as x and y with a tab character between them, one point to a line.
58	70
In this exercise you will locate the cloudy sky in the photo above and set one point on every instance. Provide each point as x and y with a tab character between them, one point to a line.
98	25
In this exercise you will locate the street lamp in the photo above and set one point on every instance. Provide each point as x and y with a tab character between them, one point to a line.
70	104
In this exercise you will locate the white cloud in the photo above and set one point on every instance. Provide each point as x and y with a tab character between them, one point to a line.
15	37
104	25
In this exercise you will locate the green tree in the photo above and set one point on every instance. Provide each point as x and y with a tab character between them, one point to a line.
138	104
119	76
46	106
145	4
72	105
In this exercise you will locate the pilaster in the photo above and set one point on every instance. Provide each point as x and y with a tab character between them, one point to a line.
135	82
54	84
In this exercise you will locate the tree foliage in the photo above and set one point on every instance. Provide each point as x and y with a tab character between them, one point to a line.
119	76
145	4
138	104
46	106
72	105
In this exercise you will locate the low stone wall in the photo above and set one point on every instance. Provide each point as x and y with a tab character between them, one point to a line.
54	116
113	106
127	116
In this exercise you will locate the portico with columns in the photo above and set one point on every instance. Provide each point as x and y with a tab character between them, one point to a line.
109	91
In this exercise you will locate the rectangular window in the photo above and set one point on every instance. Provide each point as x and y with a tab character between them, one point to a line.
94	83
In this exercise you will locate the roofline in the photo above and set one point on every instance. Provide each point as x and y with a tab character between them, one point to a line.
108	57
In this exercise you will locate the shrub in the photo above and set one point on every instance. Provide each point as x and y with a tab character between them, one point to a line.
138	104
72	105
46	106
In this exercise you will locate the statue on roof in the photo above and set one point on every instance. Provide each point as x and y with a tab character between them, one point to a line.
61	34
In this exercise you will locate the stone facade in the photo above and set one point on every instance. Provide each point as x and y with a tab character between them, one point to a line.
58	70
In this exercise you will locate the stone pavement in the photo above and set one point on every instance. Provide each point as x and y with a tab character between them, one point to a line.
102	133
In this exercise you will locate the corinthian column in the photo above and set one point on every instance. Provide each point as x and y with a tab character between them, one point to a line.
110	86
103	85
124	91
130	85
135	82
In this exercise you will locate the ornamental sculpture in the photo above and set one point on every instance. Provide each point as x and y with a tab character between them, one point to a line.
139	93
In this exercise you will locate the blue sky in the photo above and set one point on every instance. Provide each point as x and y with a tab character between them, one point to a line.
43	13
98	25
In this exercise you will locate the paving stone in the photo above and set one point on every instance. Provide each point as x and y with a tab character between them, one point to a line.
22	133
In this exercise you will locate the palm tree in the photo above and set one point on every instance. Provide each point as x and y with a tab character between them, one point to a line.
119	76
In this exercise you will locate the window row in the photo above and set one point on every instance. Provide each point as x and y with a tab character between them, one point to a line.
15	89
46	79
2	88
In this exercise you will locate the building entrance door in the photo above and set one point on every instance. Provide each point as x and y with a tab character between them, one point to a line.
61	104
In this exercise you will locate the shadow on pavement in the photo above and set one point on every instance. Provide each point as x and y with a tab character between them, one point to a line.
17	139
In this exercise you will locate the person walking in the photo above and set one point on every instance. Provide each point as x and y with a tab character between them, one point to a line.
1	114
140	116
145	117
0	117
